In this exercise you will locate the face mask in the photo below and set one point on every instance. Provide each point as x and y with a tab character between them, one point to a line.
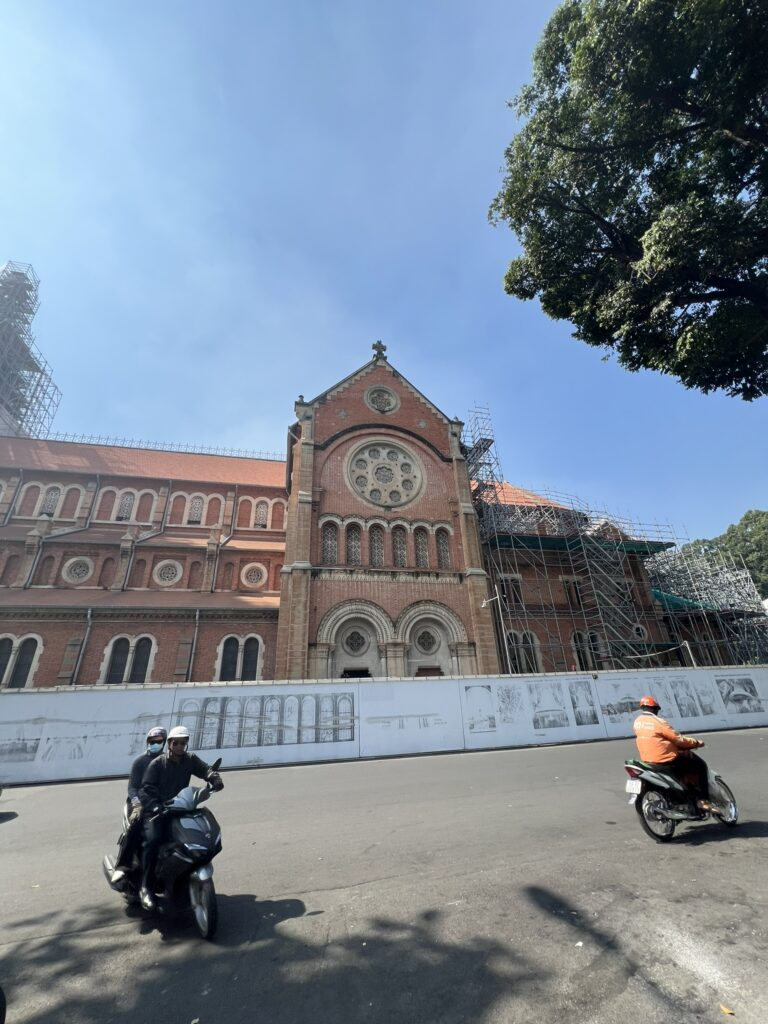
155	748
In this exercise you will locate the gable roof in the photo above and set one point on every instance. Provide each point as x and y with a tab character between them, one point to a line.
110	460
379	361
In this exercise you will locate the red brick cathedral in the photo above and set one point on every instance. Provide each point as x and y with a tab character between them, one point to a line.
358	556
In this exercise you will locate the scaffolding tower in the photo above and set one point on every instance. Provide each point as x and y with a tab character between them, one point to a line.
28	396
577	587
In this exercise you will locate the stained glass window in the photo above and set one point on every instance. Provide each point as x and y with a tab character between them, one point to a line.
443	550
399	547
262	510
330	544
50	501
125	508
195	516
422	549
376	546
353	545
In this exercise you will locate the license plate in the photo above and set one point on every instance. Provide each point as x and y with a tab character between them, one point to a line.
633	785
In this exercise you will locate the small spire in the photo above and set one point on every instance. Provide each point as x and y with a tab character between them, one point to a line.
378	350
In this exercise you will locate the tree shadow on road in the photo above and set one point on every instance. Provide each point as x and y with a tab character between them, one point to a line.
274	962
8	816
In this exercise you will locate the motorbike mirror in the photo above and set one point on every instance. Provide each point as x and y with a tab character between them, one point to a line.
216	764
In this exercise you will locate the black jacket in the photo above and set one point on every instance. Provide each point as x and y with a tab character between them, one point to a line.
165	778
138	768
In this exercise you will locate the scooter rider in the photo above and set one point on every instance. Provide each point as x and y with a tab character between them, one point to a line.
131	838
164	778
662	747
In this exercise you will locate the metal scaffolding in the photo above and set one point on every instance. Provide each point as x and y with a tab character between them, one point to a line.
576	587
28	397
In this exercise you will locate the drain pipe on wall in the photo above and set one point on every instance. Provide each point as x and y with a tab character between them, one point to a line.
194	647
81	655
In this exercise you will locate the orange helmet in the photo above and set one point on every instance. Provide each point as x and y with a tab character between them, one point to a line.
649	702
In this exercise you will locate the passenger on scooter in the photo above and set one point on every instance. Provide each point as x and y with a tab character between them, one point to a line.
662	747
165	777
131	838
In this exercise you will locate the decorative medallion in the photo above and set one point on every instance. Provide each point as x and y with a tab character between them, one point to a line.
382	400
167	573
426	641
77	570
253	575
384	474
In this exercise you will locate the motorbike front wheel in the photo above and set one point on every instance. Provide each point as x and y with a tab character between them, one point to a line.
202	898
652	807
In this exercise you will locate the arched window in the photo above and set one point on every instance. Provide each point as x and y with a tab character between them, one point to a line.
330	544
239	659
71	503
244	512
354	555
138	572
107	574
195	513
250	659
421	541
144	511
10	570
278	515
595	648
6	649
29	501
23	664
129	660
125	507
195	576
399	547
376	546
118	660
515	664
50	501
229	575
229	656
141	654
213	513
46	571
587	648
443	550
260	518
530	653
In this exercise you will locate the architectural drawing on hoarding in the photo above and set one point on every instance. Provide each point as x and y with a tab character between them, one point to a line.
20	743
582	702
511	704
478	701
740	695
408	722
620	701
548	706
216	723
686	700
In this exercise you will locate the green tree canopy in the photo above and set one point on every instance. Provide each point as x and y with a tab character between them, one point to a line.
638	185
747	539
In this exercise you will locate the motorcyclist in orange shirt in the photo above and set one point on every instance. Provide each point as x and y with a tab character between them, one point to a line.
661	746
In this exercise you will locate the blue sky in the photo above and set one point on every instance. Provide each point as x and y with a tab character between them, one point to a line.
227	204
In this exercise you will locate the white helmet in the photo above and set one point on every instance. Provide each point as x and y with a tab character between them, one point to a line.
179	732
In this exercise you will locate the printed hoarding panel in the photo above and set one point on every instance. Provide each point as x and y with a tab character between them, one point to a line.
47	735
265	724
529	710
411	717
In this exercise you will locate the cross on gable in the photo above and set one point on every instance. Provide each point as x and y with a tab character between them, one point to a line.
379	349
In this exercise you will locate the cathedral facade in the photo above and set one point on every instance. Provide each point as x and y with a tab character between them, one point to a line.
358	556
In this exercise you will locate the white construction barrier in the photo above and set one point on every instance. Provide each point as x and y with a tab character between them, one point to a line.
49	735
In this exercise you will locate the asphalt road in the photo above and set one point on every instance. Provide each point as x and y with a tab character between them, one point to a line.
490	887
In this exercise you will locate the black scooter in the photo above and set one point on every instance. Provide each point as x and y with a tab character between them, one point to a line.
183	879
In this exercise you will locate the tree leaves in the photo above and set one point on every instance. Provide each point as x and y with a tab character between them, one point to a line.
638	185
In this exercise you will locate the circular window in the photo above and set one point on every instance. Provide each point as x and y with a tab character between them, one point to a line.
356	641
167	573
385	475
253	575
382	400
77	570
427	641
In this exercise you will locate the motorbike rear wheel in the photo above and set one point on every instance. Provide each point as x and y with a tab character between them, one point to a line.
202	898
652	806
722	798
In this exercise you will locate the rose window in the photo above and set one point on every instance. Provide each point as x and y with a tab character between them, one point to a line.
426	641
355	642
385	475
167	573
253	576
78	570
381	400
